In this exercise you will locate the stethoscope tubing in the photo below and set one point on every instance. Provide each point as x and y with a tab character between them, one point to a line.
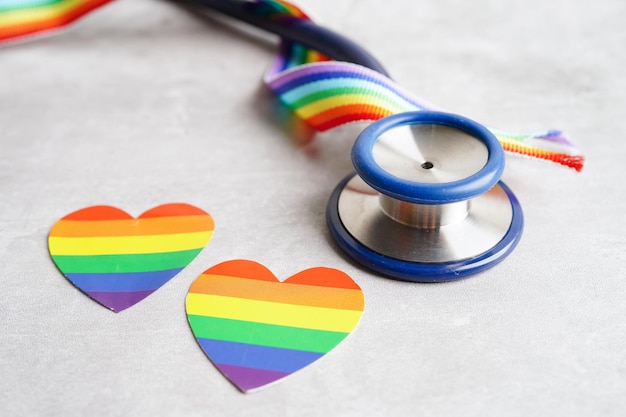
297	30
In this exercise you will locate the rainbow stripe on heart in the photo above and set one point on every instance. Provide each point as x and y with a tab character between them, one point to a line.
118	260
257	330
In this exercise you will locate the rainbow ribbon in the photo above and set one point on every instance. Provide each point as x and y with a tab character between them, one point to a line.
20	19
329	94
323	94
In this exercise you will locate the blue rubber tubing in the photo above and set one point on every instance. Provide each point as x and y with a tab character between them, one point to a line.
302	31
427	193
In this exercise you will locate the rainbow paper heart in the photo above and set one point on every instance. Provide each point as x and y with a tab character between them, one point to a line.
118	260
257	330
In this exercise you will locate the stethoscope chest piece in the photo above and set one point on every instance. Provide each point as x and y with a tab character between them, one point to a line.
426	203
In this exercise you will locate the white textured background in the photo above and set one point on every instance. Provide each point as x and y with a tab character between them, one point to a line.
142	103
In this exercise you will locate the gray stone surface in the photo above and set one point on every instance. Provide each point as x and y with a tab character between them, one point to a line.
142	103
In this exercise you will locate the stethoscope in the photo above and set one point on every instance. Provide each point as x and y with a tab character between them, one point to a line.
426	203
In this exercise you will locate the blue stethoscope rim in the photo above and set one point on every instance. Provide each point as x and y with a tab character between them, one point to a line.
419	271
427	193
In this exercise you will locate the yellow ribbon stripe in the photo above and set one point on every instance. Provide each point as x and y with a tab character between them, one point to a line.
27	16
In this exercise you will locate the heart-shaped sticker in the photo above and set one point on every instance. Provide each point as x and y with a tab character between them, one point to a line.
118	260
257	330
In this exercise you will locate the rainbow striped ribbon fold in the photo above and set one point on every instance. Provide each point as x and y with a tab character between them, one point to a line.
324	94
329	94
20	19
